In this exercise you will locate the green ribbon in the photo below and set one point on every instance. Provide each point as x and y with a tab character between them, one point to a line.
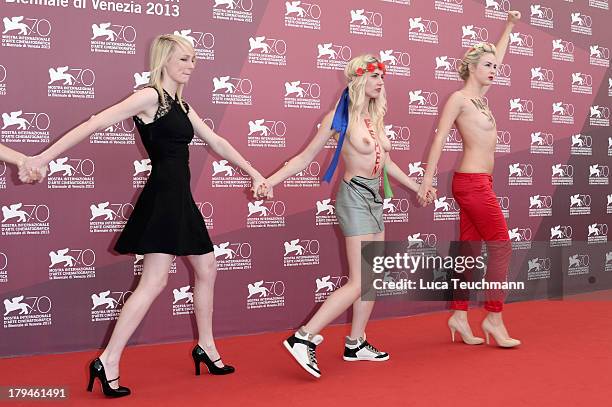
386	184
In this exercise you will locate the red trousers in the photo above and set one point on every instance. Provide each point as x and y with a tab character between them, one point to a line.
481	218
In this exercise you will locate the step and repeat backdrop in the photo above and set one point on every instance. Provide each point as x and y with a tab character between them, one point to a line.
267	72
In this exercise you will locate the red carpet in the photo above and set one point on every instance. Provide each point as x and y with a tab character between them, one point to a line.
565	360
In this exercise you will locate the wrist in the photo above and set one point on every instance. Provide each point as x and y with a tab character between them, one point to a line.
45	156
19	159
271	181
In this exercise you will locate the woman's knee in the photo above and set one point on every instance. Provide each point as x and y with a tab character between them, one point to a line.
154	279
156	284
352	288
206	268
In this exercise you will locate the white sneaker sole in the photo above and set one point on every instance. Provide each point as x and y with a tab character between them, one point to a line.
364	359
303	365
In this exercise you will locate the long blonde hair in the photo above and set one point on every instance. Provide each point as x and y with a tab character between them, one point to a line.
377	108
472	56
161	50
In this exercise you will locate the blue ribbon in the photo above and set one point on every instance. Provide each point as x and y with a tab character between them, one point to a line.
340	124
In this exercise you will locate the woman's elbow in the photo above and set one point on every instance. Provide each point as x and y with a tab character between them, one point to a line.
94	124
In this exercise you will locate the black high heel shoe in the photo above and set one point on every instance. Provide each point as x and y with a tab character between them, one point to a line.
96	369
200	356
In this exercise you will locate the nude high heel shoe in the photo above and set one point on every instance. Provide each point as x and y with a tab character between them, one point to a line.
466	336
498	335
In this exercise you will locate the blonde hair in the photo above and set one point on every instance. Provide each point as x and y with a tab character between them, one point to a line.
472	56
377	108
161	50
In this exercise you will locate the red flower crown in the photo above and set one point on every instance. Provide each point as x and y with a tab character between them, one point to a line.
371	67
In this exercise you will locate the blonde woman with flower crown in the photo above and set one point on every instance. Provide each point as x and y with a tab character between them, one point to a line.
481	217
165	221
358	124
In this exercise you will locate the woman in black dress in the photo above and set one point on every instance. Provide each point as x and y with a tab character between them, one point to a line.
165	221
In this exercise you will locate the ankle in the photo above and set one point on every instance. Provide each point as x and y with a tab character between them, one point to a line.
108	359
304	333
351	342
494	318
356	337
207	345
460	315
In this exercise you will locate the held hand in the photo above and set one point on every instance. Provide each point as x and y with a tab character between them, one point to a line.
257	184
426	194
32	169
432	195
261	189
22	172
267	191
514	16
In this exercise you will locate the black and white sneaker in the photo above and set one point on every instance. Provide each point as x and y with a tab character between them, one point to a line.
360	349
303	351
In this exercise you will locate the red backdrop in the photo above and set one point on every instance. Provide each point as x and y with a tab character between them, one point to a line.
267	73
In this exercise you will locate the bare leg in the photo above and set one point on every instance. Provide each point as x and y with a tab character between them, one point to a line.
153	280
362	309
205	268
349	293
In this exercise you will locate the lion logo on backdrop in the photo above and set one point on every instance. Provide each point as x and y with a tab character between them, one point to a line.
102	299
15	304
325	205
14	119
61	257
102	210
224	250
142	166
293	246
256	288
101	30
15	24
294	7
182	294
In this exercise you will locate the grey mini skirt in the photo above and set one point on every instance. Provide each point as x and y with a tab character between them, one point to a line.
359	206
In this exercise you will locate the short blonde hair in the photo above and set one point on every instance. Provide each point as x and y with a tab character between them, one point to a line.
472	56
161	49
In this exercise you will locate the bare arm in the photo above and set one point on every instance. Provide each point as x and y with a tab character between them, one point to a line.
396	172
300	161
138	102
502	43
129	107
451	111
11	156
220	145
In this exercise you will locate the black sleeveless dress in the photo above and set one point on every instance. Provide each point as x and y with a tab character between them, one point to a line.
165	218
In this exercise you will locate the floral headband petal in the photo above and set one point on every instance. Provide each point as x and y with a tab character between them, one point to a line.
371	67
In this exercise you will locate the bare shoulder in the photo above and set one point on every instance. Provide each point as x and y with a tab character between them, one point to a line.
146	95
325	128
328	118
142	100
457	97
456	102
